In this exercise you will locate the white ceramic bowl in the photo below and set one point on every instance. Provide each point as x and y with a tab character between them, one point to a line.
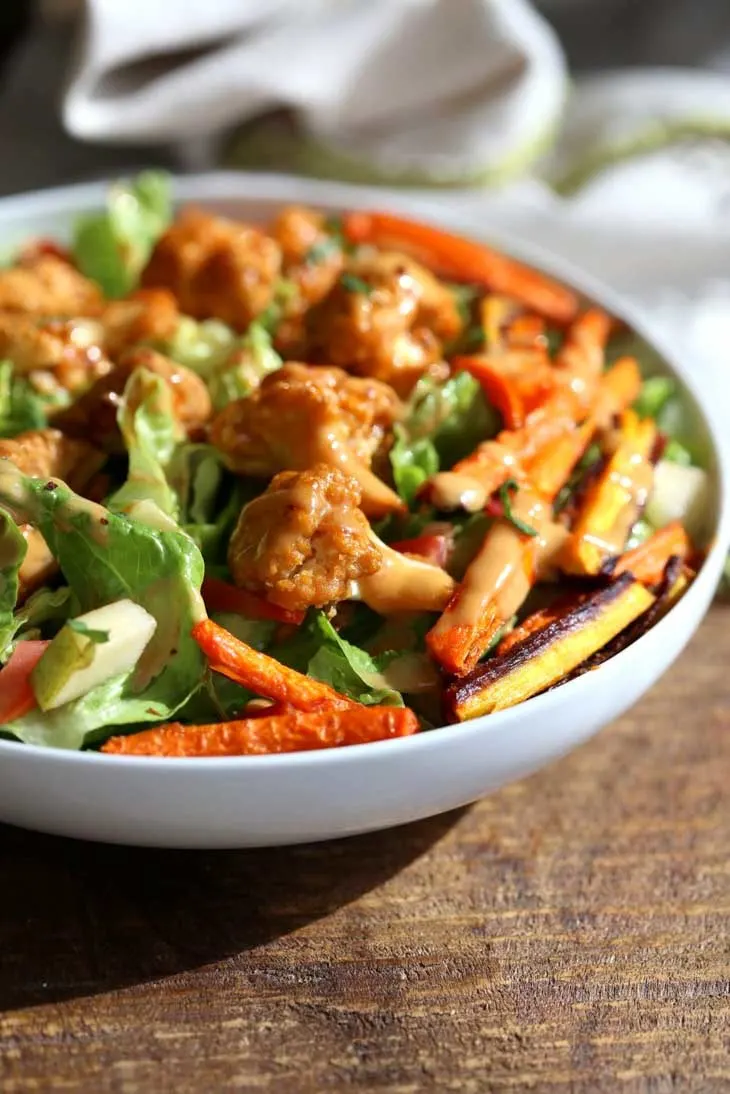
258	801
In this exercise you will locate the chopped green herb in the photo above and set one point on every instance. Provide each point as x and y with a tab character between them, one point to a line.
351	283
321	251
93	635
591	456
506	491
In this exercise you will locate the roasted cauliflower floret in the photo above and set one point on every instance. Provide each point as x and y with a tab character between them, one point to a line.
146	315
303	415
386	317
304	541
46	285
312	261
54	353
216	268
47	453
94	415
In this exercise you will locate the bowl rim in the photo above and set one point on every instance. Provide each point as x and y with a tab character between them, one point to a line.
231	186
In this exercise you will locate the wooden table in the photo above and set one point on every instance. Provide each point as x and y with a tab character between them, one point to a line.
570	934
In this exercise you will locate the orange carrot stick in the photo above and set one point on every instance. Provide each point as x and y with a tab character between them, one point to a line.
614	501
619	388
550	468
464	260
535	622
262	674
516	382
648	560
219	596
292	732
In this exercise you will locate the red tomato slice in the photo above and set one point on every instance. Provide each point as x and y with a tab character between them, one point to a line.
16	694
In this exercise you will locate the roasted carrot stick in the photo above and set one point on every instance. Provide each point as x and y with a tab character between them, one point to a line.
581	357
293	732
516	382
648	561
551	653
614	502
496	313
496	582
463	260
534	623
509	562
550	468
471	481
619	388
219	596
526	332
262	674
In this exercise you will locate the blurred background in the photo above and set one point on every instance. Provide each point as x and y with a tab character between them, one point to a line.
40	40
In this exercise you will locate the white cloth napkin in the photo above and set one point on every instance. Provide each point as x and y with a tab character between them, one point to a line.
446	88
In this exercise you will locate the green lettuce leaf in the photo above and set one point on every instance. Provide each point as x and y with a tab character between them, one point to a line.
13	548
21	408
209	497
319	651
105	557
112	247
232	365
254	358
445	422
412	461
151	431
43	607
202	346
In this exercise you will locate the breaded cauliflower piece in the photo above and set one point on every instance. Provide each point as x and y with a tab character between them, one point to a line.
216	268
303	415
54	353
46	285
47	453
312	261
304	541
94	415
144	316
386	317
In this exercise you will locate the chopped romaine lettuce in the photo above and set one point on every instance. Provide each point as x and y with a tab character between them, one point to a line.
21	408
151	432
412	462
245	368
106	557
321	652
113	246
13	549
209	497
655	393
677	453
231	365
445	422
202	346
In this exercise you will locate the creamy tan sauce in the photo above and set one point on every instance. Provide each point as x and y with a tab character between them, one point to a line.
508	564
635	487
404	584
451	490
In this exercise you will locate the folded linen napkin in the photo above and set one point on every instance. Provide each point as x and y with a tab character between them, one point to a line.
443	90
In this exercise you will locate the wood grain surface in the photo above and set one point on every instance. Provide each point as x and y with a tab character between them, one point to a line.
571	934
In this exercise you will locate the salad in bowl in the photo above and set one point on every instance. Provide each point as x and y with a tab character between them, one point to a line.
321	481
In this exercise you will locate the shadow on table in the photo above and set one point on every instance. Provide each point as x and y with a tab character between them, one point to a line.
81	918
